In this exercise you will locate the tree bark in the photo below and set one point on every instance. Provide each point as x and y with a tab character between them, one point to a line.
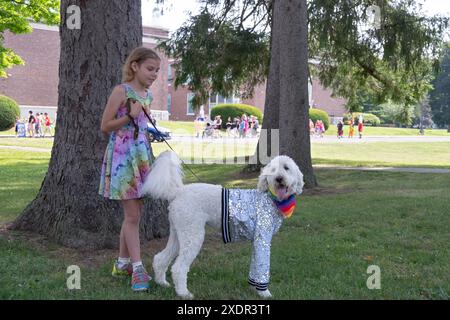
68	207
287	104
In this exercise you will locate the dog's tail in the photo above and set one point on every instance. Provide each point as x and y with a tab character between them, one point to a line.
165	177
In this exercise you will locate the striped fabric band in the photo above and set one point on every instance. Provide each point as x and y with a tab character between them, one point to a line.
285	206
225	228
259	286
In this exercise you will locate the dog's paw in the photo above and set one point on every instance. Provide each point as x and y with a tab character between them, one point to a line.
187	296
262	293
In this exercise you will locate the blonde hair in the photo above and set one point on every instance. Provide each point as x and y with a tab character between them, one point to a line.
138	55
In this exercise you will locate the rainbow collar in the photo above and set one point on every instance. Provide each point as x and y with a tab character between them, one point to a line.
285	206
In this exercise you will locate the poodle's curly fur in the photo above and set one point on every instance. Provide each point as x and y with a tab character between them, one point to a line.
192	206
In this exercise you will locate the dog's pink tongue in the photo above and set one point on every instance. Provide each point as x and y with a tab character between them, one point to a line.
281	193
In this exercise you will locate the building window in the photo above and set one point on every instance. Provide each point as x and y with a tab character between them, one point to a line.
190	108
169	103
169	73
216	99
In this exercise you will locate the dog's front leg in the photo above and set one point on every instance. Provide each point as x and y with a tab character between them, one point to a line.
259	274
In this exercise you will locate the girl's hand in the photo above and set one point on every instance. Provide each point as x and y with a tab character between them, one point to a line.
135	108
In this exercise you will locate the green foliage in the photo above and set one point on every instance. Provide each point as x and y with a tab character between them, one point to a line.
405	115
9	112
393	113
387	112
15	16
235	110
392	62
219	56
219	50
422	114
316	114
368	118
440	95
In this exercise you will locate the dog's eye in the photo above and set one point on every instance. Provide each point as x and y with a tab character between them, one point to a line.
286	168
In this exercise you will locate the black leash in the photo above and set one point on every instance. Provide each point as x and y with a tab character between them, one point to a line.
151	121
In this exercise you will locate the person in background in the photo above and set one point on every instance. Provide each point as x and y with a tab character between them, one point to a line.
47	123
351	129
340	127
311	127
360	127
31	120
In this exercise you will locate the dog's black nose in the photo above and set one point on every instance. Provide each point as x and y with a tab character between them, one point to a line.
279	179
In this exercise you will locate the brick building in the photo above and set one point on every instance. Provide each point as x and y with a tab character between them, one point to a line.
319	98
35	85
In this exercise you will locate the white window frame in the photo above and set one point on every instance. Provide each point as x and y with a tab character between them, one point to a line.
189	96
232	99
169	103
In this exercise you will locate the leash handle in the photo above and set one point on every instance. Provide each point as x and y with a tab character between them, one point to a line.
136	127
154	126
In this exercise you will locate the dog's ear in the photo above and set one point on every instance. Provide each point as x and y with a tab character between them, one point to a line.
263	185
298	186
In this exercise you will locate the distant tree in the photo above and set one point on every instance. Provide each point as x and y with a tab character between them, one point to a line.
393	113
423	115
440	95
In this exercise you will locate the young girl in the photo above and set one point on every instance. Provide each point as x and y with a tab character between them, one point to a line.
129	156
360	128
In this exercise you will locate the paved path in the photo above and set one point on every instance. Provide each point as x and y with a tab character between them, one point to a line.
386	169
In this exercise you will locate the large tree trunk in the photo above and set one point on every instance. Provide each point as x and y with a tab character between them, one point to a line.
68	207
287	104
291	21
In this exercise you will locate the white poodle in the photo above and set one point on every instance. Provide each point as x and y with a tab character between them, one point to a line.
252	214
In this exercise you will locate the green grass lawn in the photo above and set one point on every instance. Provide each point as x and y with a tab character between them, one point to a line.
45	143
12	132
178	127
382	154
8	132
187	127
371	154
397	221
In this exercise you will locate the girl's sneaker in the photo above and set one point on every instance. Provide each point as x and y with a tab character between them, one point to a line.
126	270
140	279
